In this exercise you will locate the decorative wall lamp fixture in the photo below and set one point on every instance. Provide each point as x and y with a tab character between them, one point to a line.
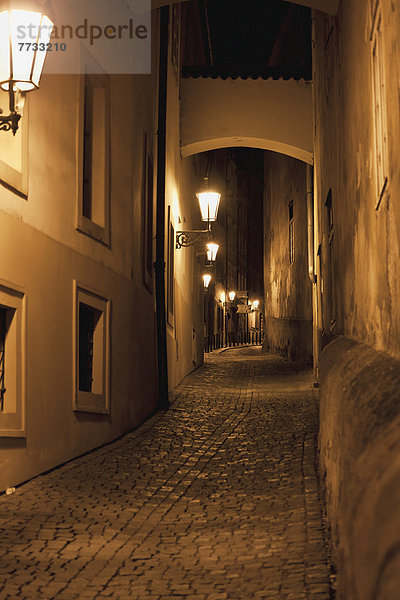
232	296
21	63
206	281
255	305
212	251
209	204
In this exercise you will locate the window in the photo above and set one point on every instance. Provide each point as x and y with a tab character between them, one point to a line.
176	35
12	362
171	268
379	101
91	351
291	233
147	218
331	276
93	164
14	153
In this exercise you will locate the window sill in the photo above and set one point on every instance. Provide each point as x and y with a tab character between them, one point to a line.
91	229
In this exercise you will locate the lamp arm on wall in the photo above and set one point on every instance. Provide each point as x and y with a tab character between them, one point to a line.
10	122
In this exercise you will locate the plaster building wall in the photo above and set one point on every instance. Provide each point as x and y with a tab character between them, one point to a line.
357	235
46	253
288	308
56	261
184	323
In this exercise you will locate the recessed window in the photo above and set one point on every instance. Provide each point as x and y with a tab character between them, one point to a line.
176	36
91	351
12	362
379	101
93	164
291	233
147	217
171	269
331	274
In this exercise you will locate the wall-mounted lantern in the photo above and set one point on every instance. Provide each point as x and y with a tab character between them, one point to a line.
255	305
232	296
212	251
209	204
206	280
21	63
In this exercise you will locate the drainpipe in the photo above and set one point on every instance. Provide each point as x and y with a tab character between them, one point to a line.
310	224
159	265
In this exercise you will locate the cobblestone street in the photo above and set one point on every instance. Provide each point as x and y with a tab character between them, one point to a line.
215	498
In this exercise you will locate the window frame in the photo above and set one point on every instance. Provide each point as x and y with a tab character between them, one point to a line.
379	101
291	233
171	244
89	402
147	216
13	297
84	224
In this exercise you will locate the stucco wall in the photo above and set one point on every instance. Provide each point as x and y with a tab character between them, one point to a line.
358	297
288	312
366	241
44	253
266	114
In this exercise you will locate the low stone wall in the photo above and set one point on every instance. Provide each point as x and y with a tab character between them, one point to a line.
291	338
360	461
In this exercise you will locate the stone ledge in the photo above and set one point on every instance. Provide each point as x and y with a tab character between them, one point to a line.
360	461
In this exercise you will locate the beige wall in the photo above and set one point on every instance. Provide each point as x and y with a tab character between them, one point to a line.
266	114
358	298
367	241
45	253
288	309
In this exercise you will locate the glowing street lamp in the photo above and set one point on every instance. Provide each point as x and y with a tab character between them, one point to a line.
232	296
212	251
206	280
209	204
21	64
255	304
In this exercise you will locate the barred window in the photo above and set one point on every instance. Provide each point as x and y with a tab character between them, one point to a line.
91	347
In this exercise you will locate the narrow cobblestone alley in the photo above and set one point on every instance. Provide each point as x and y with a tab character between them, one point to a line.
215	498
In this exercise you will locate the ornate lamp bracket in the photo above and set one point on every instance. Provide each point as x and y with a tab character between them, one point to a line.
184	239
9	122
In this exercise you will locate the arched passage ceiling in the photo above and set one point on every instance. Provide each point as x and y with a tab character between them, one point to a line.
268	114
329	6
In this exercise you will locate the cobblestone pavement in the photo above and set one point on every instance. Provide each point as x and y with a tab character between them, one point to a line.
216	498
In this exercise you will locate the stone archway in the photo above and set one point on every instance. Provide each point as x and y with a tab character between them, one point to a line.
260	113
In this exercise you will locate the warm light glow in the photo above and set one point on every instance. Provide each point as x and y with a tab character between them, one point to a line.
212	251
206	280
21	66
255	304
209	204
232	296
223	297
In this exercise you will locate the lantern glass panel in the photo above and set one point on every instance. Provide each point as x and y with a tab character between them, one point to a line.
206	280
212	252
209	204
25	65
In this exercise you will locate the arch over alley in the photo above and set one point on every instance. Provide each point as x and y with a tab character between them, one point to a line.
260	113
